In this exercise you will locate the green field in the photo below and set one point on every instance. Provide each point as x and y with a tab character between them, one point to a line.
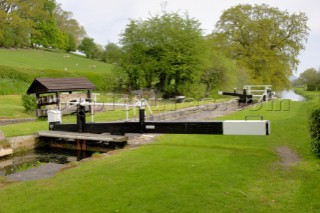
188	173
18	69
312	96
11	107
50	59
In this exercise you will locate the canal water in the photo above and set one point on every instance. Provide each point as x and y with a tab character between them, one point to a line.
33	158
291	95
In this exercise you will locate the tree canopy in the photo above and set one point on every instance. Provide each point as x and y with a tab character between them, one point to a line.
112	53
166	52
311	78
251	44
38	23
264	39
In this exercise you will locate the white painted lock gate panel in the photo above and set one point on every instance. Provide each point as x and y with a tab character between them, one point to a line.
246	127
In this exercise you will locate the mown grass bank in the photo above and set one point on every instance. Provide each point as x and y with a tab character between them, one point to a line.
18	68
11	107
15	80
49	59
187	173
313	96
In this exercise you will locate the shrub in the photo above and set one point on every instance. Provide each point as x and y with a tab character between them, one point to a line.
29	102
314	129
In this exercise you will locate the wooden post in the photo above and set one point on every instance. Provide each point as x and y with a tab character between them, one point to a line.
84	145
89	95
141	119
38	101
81	145
58	100
81	118
78	144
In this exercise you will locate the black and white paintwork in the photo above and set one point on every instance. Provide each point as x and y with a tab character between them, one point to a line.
228	127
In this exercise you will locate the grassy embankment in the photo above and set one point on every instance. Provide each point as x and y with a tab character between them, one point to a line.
188	173
50	60
11	107
18	68
312	96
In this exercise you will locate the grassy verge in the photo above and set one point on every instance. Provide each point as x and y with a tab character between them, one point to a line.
16	80
50	59
29	128
310	95
187	173
11	107
18	68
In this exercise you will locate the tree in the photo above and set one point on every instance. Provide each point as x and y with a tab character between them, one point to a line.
311	77
112	53
221	73
17	21
88	47
38	23
73	32
166	52
45	31
263	39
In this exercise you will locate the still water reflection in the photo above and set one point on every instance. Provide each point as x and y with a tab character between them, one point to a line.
33	158
290	94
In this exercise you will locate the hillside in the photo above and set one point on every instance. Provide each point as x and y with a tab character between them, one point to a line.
18	68
50	59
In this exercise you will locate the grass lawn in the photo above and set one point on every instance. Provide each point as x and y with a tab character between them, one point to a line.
50	59
11	107
310	95
187	173
29	128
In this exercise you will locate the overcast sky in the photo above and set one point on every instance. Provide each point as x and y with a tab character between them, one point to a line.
104	20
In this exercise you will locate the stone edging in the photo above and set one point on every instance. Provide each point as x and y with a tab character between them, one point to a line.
18	144
14	121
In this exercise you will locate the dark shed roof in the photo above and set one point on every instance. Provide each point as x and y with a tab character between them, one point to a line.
47	85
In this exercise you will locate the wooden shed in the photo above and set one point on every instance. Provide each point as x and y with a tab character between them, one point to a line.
48	90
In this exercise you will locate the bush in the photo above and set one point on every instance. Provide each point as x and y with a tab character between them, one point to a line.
314	129
29	102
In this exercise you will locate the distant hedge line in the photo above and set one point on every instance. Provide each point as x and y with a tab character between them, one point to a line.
16	80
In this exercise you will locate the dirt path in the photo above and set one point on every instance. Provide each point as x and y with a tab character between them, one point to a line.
287	156
43	171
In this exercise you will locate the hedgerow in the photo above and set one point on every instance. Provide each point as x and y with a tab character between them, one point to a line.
314	129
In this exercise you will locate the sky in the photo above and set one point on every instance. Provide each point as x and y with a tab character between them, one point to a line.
105	20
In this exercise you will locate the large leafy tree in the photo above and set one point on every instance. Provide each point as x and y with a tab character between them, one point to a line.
166	52
25	23
221	73
311	77
263	39
112	53
45	31
71	30
17	21
89	47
